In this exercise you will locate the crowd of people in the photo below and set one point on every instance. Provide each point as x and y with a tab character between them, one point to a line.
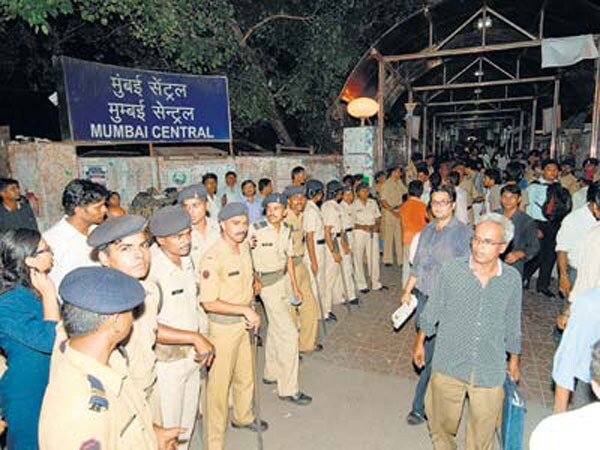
127	326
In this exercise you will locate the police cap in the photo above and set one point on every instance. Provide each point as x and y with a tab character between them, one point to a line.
116	228
169	220
193	191
275	197
232	210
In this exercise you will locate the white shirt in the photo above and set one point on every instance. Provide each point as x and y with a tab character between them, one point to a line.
214	206
70	249
461	212
312	221
580	198
575	429
574	227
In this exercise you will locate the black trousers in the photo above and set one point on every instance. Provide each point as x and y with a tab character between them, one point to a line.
546	258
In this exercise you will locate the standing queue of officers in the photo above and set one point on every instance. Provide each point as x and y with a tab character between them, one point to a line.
153	321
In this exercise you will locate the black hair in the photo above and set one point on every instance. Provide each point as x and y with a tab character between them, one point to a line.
593	161
511	189
296	171
6	182
416	156
494	174
15	247
81	192
447	189
230	172
378	174
245	182
454	178
415	188
348	178
514	171
435	179
209	176
422	168
535	153
593	193
567	162
263	183
549	161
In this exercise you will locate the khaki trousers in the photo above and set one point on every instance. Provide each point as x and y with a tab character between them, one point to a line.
318	282
392	238
348	270
443	405
334	287
366	245
281	347
307	314
179	388
232	368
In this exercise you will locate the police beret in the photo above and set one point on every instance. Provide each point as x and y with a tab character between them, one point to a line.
233	210
169	220
334	186
116	228
362	186
101	290
294	190
275	197
314	186
346	188
193	191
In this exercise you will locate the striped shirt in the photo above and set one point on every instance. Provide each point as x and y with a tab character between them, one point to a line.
476	326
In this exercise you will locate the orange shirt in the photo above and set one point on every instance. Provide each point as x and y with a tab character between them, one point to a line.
413	215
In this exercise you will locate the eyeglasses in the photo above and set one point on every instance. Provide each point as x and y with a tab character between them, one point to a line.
42	251
441	203
485	242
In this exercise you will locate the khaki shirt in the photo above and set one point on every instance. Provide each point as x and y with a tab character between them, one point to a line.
226	276
392	192
91	406
202	243
139	347
313	221
469	187
570	183
365	213
297	233
273	246
332	216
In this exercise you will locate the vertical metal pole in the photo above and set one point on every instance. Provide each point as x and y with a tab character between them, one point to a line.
512	139
521	124
380	114
596	114
554	118
424	125
409	127
533	123
434	137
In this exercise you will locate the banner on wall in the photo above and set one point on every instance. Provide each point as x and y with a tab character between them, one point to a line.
359	147
101	102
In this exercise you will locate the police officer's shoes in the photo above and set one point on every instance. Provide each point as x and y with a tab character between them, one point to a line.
364	291
300	399
354	301
414	418
265	381
331	318
252	426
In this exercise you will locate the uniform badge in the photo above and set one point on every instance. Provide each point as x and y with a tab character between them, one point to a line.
205	274
90	444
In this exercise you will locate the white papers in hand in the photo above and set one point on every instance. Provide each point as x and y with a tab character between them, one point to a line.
402	314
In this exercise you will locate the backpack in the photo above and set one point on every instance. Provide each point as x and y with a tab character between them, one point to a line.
558	203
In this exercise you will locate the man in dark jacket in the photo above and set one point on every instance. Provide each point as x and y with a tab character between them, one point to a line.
15	211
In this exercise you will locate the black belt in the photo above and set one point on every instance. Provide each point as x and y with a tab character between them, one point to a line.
347	230
320	241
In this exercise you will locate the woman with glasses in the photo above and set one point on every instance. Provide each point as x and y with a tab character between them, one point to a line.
442	240
28	316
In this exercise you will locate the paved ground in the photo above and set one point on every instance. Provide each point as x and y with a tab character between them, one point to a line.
363	382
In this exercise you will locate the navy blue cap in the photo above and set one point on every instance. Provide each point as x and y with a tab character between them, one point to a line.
294	190
313	187
346	188
101	290
362	186
169	220
193	191
116	228
275	197
232	210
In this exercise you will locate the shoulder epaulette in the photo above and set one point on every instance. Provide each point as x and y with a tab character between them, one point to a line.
259	224
98	400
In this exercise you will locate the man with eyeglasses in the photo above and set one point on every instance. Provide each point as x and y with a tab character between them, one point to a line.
442	240
475	310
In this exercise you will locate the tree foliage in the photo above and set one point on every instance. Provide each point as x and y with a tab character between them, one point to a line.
286	59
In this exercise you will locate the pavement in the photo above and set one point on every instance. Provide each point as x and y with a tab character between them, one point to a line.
362	384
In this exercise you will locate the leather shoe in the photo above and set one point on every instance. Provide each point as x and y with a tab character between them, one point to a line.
252	426
265	381
388	265
414	418
364	291
354	301
299	399
331	318
547	292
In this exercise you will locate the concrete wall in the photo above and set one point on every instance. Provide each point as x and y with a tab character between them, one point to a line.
45	169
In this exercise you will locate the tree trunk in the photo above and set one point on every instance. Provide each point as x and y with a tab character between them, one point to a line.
274	117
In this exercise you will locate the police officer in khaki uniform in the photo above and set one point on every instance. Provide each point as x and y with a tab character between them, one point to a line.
228	288
272	256
173	271
334	291
314	227
307	313
90	404
367	218
205	230
123	244
391	198
346	242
